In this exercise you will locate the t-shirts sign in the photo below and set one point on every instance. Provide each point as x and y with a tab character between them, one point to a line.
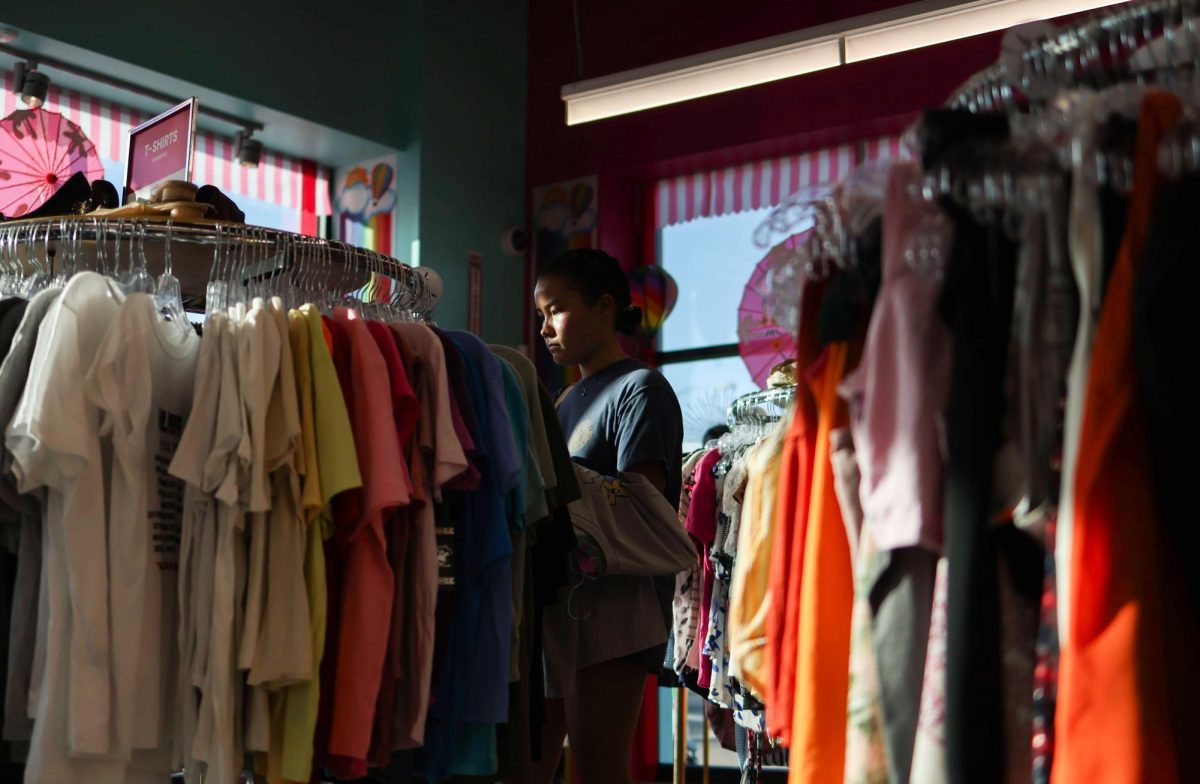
160	150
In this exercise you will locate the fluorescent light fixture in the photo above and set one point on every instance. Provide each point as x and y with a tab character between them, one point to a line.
698	81
887	32
970	19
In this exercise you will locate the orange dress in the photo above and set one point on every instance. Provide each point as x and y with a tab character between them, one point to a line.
1112	722
791	515
826	603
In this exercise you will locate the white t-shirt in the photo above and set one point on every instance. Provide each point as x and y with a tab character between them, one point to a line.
259	352
200	464
218	742
258	368
284	651
141	383
55	442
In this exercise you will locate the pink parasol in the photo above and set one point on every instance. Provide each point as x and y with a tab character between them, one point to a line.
763	342
39	151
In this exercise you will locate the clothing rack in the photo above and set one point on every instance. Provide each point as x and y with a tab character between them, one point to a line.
195	250
755	407
1104	38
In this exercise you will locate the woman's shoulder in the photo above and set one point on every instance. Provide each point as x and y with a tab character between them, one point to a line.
640	377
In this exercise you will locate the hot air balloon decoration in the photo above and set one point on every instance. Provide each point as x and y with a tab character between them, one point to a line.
366	204
367	191
654	291
381	181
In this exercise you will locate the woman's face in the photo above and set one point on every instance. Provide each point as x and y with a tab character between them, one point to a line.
572	329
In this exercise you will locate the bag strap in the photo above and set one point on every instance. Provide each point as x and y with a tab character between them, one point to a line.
563	394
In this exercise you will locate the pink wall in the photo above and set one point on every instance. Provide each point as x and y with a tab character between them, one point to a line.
842	104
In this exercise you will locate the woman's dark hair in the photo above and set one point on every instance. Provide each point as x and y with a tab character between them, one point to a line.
715	432
593	273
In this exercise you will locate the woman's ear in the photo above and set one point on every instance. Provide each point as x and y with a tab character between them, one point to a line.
606	303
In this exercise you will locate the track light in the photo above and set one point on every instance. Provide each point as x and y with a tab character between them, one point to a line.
249	151
30	83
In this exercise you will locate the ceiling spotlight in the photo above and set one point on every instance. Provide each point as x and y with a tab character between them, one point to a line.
31	84
249	151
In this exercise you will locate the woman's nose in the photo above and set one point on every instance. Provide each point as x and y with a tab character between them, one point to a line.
547	329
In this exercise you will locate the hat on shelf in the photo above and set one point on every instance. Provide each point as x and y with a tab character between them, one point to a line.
782	375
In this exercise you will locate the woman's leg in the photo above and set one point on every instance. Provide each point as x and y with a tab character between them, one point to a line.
553	732
601	719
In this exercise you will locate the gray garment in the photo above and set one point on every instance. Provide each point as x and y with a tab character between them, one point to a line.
539	441
14	372
901	603
25	622
1044	316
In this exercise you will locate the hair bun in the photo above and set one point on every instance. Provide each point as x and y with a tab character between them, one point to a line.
629	320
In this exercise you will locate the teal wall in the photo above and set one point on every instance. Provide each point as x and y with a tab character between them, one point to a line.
335	63
441	82
473	155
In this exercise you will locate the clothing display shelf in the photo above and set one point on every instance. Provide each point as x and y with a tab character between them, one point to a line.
762	407
198	251
1095	48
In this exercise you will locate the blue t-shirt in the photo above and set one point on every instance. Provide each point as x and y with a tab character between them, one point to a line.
622	416
469	688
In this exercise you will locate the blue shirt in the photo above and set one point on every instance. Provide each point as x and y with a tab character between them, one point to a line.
622	416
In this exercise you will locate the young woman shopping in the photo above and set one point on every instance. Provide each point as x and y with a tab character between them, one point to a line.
622	416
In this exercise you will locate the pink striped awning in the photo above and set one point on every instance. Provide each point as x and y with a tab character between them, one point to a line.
763	184
277	179
750	186
885	148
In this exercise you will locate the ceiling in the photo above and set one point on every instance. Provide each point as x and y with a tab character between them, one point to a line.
282	131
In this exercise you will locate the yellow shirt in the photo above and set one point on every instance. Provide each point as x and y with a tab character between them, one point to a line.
749	597
336	456
310	468
331	467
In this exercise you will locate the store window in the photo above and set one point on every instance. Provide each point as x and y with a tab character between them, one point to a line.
711	260
710	240
273	194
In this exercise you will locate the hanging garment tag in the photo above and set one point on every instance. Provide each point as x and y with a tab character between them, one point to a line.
445	556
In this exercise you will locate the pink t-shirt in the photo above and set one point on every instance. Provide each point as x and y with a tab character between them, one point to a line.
367	580
398	528
702	525
405	406
442	458
902	381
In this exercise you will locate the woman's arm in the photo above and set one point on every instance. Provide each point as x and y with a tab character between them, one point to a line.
654	471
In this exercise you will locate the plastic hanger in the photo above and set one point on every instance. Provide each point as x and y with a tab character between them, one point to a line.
214	291
41	268
140	280
9	278
168	295
8	264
